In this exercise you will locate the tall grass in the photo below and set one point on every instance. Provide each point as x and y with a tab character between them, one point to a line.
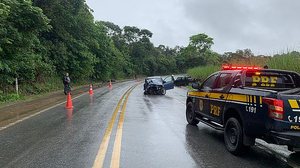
251	61
289	61
202	72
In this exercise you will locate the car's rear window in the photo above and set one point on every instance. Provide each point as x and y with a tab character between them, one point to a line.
270	80
156	80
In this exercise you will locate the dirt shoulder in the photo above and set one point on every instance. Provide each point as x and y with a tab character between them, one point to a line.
15	111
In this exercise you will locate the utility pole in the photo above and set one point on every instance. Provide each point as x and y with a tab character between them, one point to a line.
17	86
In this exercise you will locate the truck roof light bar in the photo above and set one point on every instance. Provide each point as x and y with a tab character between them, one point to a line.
232	67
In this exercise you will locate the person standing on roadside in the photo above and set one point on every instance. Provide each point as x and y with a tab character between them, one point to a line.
66	82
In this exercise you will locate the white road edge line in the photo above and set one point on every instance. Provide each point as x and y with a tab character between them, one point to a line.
32	115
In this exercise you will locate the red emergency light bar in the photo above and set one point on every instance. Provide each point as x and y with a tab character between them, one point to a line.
231	67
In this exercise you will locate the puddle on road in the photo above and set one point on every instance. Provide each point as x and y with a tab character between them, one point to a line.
148	104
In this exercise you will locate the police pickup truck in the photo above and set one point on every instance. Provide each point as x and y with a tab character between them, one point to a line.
248	103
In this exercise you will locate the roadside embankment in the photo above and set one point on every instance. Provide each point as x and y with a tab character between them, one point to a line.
14	111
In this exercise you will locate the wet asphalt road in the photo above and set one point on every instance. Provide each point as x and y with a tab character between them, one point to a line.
154	134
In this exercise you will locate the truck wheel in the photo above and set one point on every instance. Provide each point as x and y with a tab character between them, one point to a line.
190	114
233	137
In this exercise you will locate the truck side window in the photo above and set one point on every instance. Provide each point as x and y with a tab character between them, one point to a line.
209	83
237	80
223	81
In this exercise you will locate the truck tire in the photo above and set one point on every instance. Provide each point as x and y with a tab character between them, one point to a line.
233	137
190	114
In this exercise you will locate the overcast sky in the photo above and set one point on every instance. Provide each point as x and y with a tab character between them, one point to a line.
264	26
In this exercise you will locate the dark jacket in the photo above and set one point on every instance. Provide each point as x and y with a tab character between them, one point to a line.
66	80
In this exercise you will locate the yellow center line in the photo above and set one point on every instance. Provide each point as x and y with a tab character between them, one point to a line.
115	160
104	144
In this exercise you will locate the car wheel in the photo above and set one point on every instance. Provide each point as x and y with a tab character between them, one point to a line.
233	137
190	114
163	91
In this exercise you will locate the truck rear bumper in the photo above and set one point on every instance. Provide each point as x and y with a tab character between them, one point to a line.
290	138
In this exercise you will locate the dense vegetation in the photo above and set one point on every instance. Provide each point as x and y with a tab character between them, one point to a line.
288	61
40	40
284	61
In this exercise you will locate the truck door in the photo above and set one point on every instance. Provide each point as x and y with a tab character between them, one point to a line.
218	95
204	95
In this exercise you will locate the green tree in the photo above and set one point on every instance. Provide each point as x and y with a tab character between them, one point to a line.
20	57
69	42
201	42
197	53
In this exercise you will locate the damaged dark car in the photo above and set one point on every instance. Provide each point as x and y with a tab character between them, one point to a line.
157	85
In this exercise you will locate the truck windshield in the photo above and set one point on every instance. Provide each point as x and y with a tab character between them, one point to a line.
274	80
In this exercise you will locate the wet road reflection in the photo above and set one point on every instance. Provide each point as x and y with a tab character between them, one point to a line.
155	134
158	136
206	146
69	114
91	99
59	137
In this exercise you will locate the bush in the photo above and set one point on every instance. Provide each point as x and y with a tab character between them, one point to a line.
9	97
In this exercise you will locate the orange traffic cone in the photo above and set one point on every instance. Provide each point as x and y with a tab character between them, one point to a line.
109	85
91	90
69	104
